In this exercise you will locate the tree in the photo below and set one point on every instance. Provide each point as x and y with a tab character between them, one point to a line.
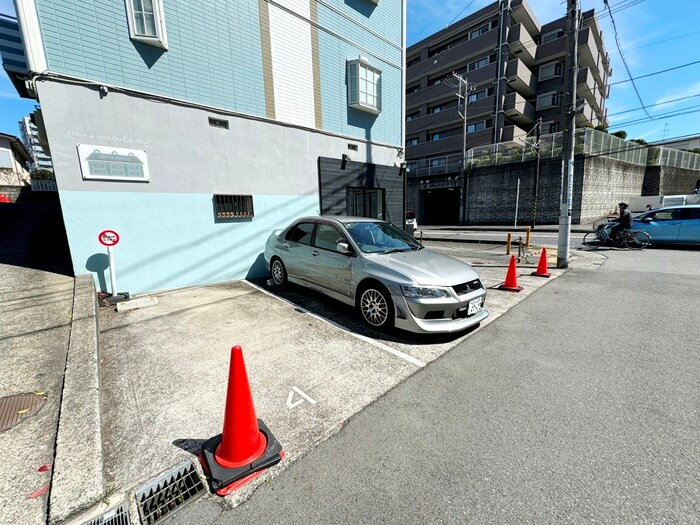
621	134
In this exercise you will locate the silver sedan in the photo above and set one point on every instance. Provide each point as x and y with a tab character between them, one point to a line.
374	266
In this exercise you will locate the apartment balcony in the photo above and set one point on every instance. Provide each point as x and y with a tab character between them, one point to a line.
436	148
432	121
586	88
589	54
459	54
586	115
521	44
484	106
551	50
443	90
520	78
522	14
519	109
512	134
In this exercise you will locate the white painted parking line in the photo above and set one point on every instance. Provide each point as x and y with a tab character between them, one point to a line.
369	340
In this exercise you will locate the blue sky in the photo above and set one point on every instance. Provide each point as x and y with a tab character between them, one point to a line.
653	34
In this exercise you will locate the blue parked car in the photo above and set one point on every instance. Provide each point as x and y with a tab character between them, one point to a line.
671	225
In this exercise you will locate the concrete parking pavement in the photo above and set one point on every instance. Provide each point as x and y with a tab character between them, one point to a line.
312	365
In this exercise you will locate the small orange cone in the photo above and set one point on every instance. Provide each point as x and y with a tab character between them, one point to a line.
542	266
511	283
246	446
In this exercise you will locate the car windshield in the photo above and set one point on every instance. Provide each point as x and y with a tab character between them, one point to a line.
380	237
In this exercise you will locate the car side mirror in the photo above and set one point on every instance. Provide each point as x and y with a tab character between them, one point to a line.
344	248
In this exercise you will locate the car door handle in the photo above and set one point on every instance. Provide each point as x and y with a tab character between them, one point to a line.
285	246
315	253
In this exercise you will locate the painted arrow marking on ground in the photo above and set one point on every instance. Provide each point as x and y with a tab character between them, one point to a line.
298	402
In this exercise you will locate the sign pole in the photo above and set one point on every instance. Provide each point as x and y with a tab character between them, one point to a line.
112	270
110	238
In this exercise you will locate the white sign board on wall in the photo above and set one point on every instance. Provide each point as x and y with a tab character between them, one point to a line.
109	163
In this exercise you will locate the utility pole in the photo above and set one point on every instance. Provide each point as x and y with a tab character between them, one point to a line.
533	209
567	159
462	102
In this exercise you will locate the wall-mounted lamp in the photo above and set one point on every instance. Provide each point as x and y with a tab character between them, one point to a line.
343	160
103	91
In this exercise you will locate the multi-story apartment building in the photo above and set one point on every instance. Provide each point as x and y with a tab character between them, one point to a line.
514	69
30	138
195	129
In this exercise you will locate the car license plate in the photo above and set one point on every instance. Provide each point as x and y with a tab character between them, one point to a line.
475	305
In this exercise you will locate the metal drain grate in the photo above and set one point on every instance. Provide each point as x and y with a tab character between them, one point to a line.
17	408
168	493
117	516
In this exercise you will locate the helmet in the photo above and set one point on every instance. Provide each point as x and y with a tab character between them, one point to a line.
623	204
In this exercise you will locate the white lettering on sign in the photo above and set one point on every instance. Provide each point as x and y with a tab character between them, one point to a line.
290	397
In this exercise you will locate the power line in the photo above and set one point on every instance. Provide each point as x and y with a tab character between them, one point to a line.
654	105
656	73
629	74
679	113
462	11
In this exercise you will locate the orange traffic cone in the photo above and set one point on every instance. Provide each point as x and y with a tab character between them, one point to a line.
246	446
511	283
542	266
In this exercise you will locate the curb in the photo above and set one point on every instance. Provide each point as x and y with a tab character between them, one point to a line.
77	482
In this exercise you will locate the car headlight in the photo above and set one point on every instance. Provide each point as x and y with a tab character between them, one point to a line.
417	291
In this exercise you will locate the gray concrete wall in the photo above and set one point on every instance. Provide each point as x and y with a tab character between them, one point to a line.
599	184
185	153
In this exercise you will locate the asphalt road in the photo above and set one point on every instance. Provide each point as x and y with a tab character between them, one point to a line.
579	405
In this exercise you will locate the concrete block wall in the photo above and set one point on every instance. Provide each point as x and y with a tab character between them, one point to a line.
677	181
605	183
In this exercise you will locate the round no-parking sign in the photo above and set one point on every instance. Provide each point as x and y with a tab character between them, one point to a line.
108	238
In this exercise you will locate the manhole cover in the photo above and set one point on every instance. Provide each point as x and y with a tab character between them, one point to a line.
15	409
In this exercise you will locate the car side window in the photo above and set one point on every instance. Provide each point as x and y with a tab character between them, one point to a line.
691	214
328	237
665	215
301	233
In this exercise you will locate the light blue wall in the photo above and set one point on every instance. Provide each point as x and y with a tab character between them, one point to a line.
214	55
172	240
337	116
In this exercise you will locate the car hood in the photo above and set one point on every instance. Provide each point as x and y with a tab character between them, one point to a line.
426	267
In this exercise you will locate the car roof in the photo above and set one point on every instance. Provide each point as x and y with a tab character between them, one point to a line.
678	206
343	219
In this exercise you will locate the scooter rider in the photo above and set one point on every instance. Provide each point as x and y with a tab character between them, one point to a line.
624	221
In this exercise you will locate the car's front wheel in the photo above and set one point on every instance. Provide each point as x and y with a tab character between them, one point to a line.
279	273
376	307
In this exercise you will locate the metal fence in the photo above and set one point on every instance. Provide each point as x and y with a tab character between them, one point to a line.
588	141
674	158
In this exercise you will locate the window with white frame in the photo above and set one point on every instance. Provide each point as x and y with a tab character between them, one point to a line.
438	136
412	142
553	69
436	163
147	22
364	86
547	100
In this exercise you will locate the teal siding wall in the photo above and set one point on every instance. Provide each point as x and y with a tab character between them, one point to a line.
337	116
172	240
214	56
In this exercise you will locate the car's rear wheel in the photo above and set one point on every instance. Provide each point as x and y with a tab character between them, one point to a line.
376	307
279	273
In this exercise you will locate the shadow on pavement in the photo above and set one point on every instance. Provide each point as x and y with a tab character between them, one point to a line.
349	319
32	234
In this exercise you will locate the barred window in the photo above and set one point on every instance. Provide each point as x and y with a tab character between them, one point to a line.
233	206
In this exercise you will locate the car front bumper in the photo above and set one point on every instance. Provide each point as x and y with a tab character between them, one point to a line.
431	316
